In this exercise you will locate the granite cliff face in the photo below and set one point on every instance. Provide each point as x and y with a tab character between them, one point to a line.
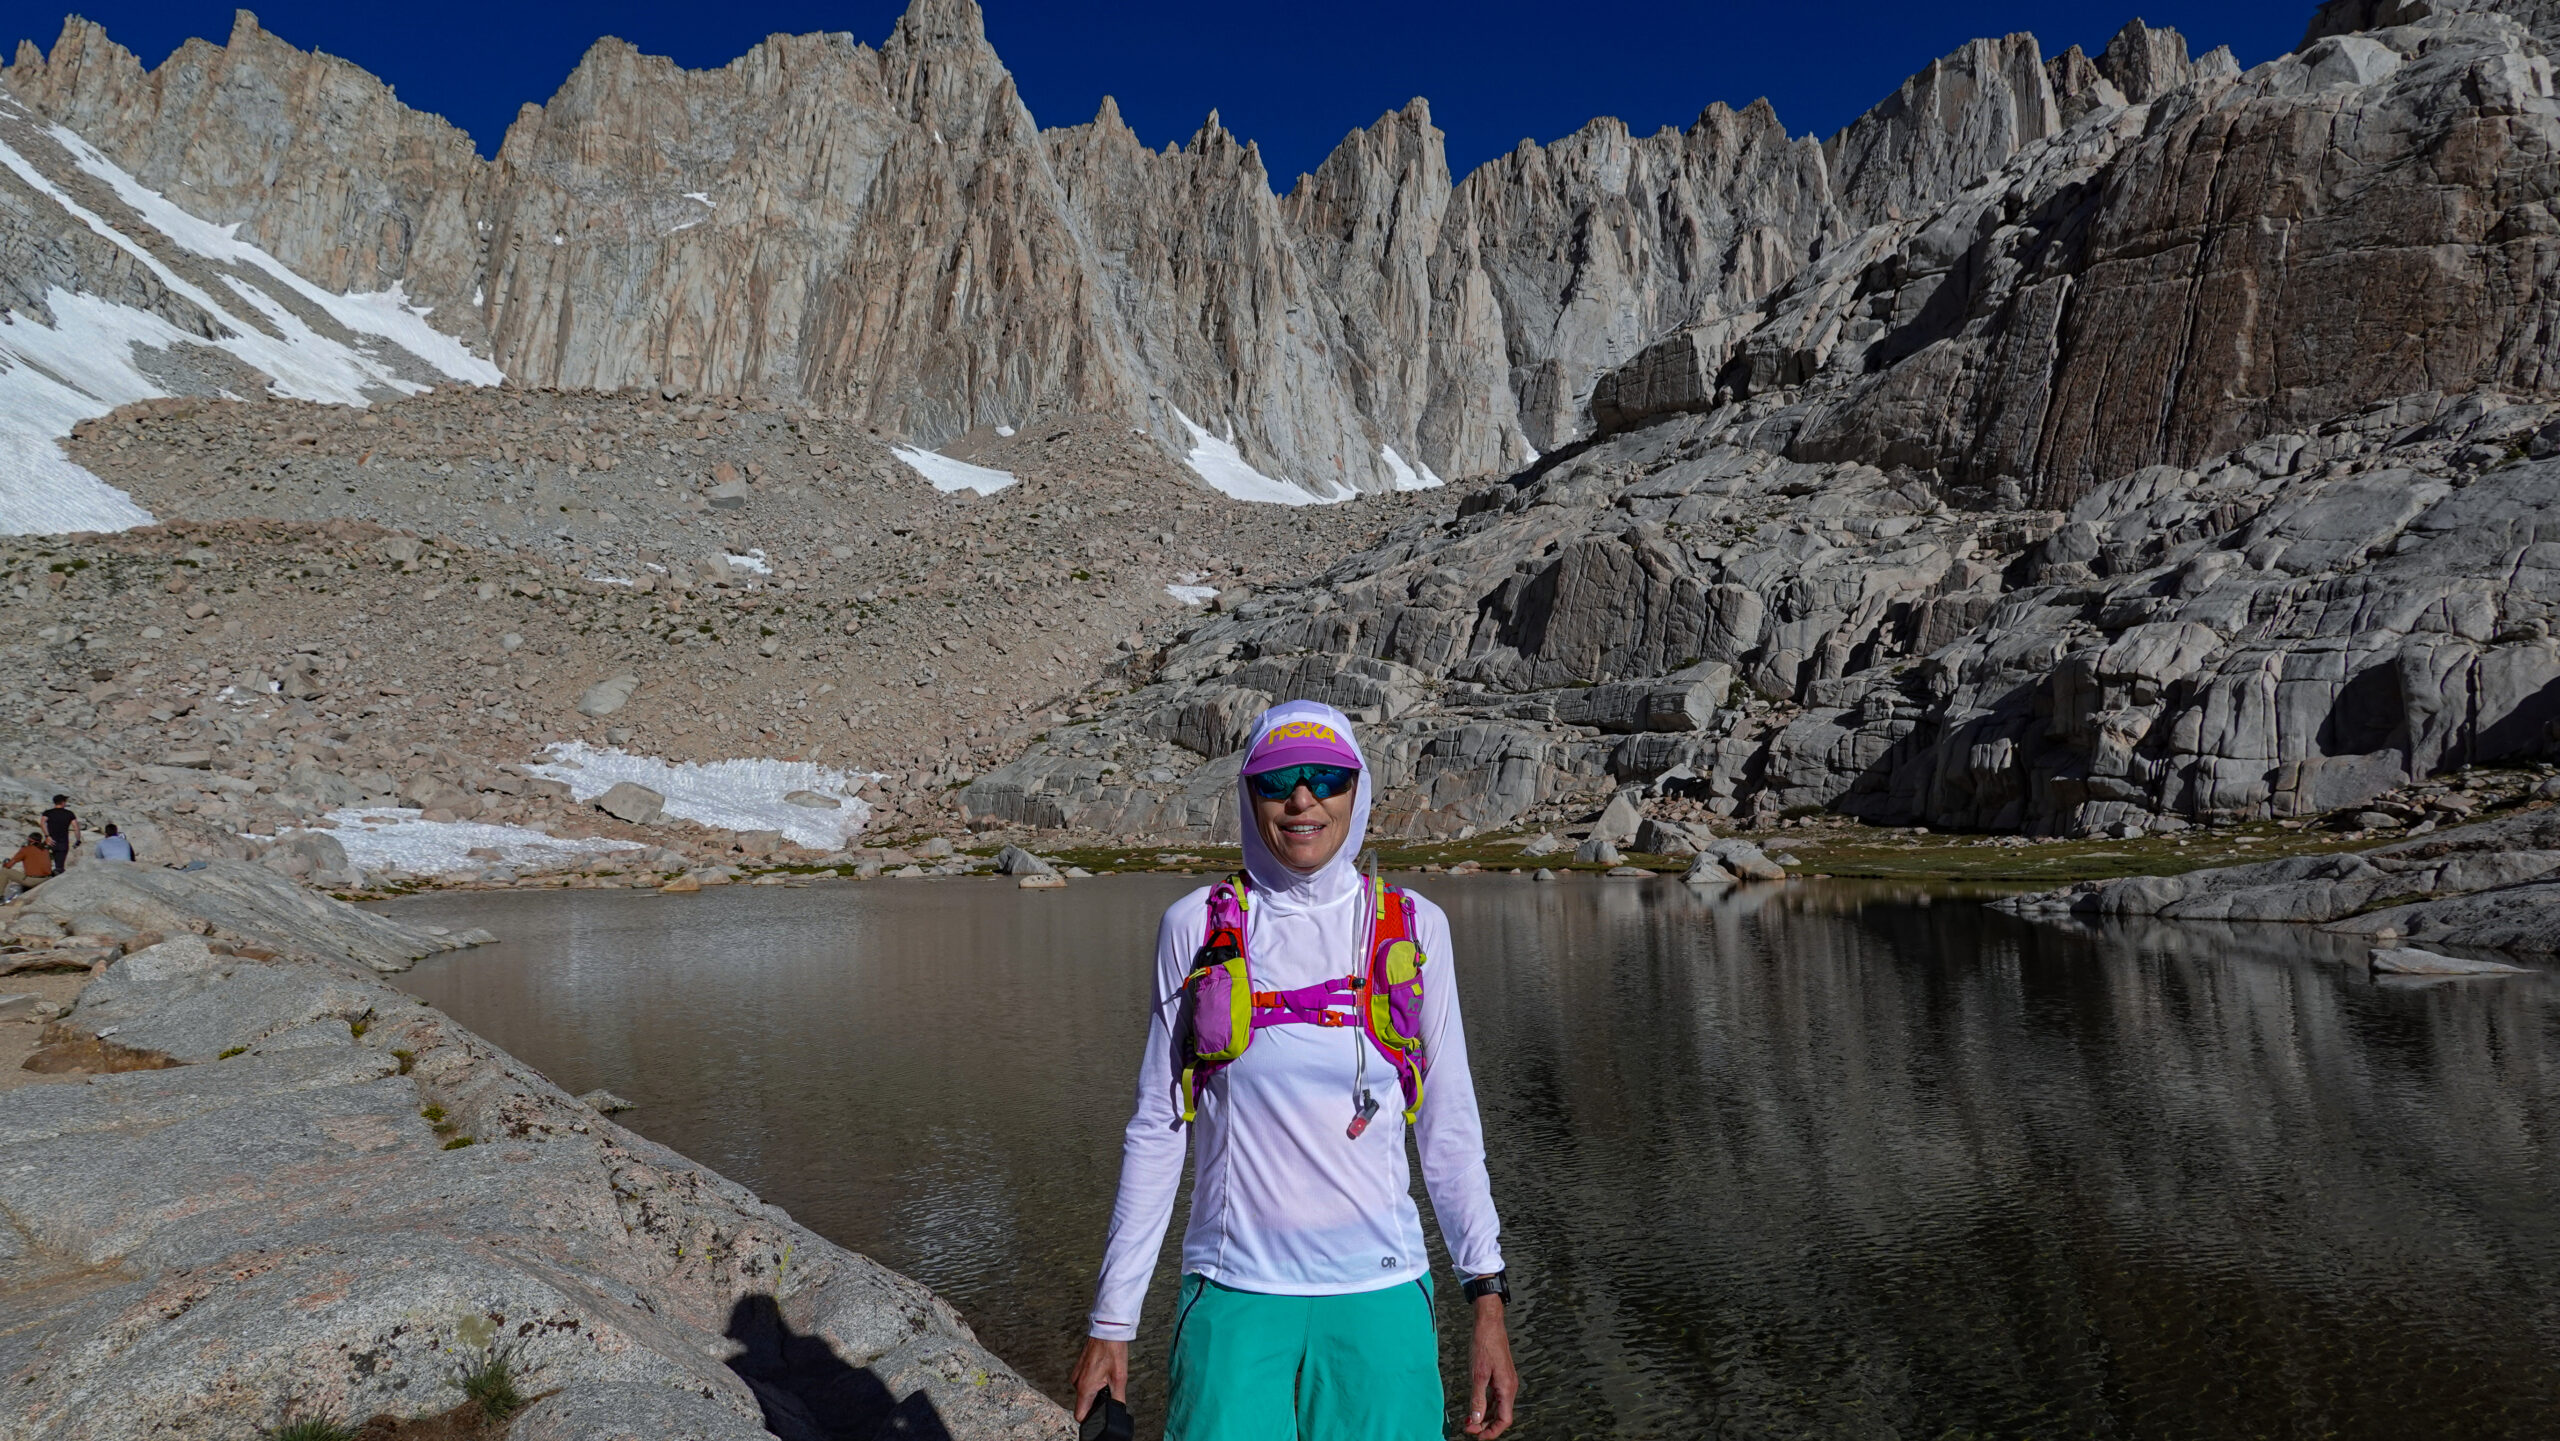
888	232
111	294
2066	444
2187	465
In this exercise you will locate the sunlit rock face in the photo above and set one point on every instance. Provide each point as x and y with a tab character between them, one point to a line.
2068	443
890	232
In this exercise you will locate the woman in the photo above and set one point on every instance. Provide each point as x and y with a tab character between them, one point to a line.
1305	1309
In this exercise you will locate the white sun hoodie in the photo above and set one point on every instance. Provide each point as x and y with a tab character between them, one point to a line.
1284	1202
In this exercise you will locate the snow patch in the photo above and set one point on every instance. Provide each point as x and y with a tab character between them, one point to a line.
950	475
52	379
383	314
384	838
1005	430
730	795
1220	464
82	366
753	561
1405	476
702	196
1192	594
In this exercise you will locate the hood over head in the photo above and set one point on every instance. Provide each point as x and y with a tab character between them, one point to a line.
1339	876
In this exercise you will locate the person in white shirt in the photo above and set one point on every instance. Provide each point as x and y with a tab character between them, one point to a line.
1306	1306
112	846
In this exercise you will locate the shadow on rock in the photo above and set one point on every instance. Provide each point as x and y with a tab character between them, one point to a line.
809	1393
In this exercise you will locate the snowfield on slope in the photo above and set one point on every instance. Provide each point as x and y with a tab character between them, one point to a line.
951	475
82	366
1223	466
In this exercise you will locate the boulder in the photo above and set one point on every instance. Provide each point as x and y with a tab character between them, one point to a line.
633	802
1015	861
609	695
435	793
2410	961
321	850
1671	838
1703	871
1619	821
326	788
1745	860
1597	851
1683	702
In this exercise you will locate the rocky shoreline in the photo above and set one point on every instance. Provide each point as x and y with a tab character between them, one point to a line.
2492	886
266	1187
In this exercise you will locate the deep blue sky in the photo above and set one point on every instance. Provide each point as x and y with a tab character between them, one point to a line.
1294	77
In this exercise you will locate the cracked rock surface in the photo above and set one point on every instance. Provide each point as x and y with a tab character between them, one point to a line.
329	1200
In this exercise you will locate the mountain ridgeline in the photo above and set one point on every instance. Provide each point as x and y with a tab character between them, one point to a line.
2070	444
889	233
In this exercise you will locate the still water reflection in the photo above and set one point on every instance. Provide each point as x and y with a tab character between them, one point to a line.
1822	1160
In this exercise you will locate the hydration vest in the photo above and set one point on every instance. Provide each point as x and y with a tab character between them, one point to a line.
1221	1010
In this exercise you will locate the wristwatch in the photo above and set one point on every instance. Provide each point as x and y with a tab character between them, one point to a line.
1496	1284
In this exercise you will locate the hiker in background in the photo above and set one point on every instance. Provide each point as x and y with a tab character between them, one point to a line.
32	863
1298	1009
64	828
112	846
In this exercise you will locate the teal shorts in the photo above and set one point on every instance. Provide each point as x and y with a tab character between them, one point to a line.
1251	1367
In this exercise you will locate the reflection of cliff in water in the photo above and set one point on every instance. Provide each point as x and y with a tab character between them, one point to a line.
1822	1159
1870	1167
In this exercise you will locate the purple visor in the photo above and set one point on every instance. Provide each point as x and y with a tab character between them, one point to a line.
1301	742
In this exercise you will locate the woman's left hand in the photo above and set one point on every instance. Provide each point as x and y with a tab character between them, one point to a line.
1493	1383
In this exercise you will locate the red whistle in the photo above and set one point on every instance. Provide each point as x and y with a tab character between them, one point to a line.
1360	1122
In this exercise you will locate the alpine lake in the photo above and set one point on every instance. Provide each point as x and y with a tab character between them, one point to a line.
1825	1158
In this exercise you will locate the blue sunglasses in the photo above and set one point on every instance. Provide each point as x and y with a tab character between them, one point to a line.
1322	782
